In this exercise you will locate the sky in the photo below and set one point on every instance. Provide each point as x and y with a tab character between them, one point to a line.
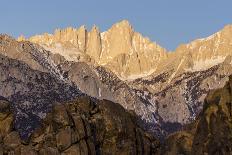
167	22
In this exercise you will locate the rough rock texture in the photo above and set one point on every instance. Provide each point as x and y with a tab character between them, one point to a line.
94	45
28	84
212	132
79	127
124	51
103	84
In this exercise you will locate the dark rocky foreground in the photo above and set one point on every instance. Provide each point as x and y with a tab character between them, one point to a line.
79	127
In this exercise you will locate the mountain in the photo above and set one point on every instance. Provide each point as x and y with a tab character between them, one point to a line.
185	78
121	49
130	55
166	89
121	86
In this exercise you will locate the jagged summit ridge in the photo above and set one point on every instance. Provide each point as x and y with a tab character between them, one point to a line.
130	55
116	48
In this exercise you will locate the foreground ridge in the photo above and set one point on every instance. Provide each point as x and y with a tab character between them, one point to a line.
82	126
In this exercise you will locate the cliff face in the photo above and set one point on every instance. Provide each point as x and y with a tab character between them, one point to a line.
213	134
121	49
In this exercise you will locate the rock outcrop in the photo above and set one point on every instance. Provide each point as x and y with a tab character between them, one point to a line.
82	126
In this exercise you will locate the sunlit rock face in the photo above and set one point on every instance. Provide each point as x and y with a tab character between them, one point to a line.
121	49
130	55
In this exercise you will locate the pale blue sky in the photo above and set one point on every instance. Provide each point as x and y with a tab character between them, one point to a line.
168	22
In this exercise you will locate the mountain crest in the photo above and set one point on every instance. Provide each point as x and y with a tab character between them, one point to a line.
117	48
131	55
123	24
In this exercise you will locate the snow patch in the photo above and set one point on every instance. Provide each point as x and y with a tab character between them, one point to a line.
42	115
68	54
136	76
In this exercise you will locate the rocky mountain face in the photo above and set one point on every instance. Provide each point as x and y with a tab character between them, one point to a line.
211	132
159	92
31	91
130	55
123	66
185	94
121	49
